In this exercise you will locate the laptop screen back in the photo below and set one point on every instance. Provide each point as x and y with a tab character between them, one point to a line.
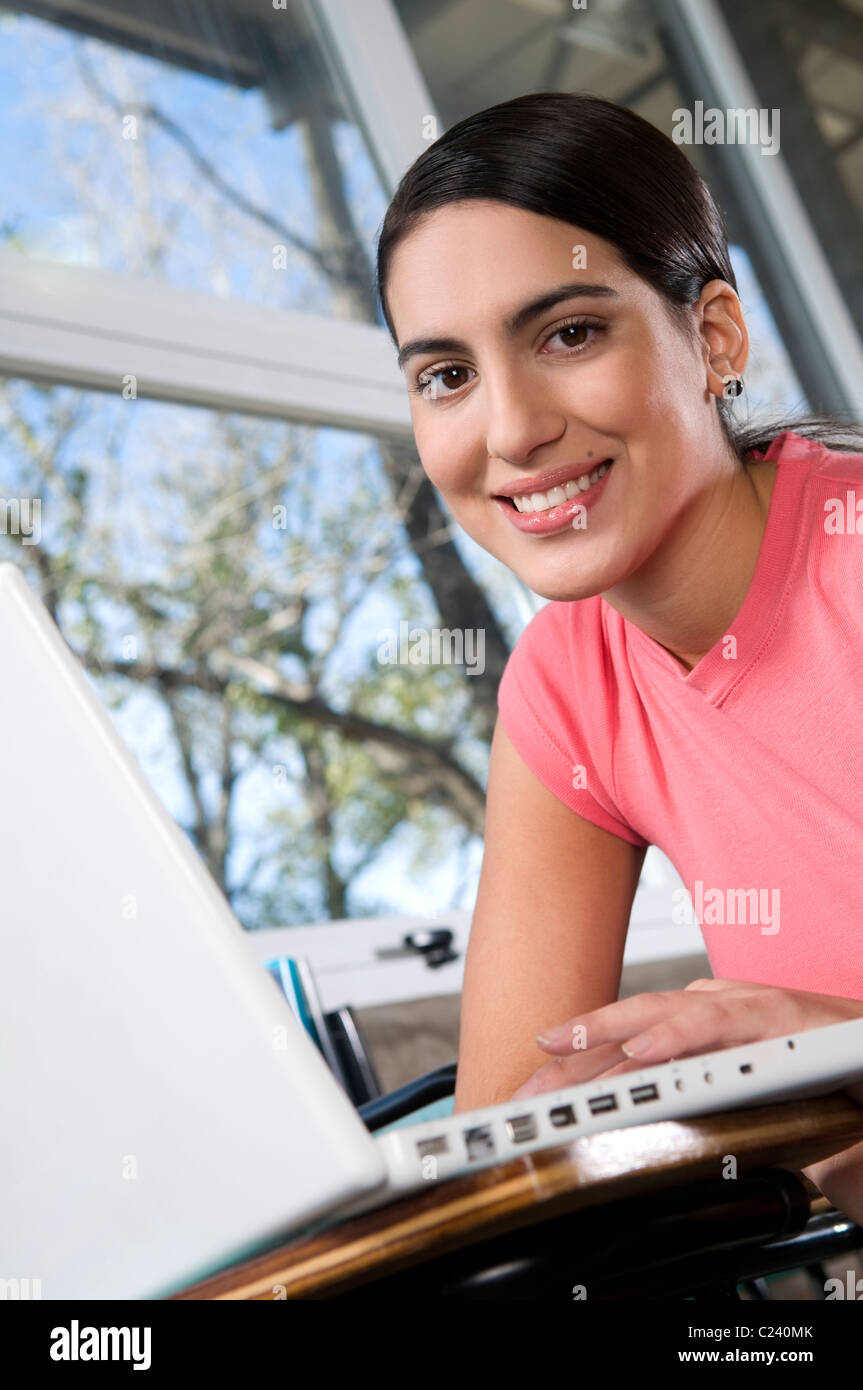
162	1111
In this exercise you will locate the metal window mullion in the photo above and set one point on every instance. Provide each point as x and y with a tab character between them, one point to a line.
373	63
778	208
374	66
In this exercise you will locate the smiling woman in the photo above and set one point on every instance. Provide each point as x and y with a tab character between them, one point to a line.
555	275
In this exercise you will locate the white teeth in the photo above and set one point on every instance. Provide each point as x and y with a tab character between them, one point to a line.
541	501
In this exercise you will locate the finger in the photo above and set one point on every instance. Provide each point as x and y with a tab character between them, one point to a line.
630	1065
559	1072
613	1022
749	987
709	1024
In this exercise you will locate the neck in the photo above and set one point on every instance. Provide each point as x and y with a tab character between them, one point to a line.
688	594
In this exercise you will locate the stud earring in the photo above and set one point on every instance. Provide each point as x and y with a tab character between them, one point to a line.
732	386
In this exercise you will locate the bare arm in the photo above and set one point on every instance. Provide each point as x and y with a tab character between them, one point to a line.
548	932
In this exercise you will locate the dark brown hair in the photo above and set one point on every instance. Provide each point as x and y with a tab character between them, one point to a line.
586	160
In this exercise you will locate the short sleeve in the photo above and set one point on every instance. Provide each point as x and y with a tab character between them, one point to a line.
556	705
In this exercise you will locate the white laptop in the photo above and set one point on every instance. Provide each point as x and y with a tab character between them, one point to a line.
162	1111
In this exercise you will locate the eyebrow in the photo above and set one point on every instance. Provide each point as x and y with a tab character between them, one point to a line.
515	322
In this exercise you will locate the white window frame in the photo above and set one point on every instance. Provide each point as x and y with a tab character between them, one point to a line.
76	324
90	328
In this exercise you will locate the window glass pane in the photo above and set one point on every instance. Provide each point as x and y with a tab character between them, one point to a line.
247	598
204	146
475	53
806	62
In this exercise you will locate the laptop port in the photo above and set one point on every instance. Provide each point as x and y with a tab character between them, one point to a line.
479	1142
438	1145
599	1104
642	1093
521	1128
562	1115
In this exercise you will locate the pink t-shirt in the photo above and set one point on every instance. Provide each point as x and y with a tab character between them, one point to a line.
746	771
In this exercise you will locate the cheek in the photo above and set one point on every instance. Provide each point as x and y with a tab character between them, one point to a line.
631	392
672	382
446	456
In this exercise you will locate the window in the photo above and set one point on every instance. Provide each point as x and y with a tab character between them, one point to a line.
199	391
620	51
235	587
201	146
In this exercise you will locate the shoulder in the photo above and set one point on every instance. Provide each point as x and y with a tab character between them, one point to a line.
557	703
838	466
833	491
561	631
560	654
817	459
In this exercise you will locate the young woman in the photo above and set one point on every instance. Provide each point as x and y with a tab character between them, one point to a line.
555	275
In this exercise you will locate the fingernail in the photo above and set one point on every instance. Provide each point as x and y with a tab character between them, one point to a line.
525	1092
570	1033
635	1046
563	1033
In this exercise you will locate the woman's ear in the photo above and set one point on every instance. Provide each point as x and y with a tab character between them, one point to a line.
724	333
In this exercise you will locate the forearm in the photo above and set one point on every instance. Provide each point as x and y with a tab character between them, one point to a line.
840	1177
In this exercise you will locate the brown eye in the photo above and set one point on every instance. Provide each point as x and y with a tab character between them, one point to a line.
440	381
449	377
571	328
578	326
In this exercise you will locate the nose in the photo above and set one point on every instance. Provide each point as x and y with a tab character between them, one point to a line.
519	421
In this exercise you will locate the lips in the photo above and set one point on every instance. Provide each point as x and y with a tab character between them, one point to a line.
554	520
555	477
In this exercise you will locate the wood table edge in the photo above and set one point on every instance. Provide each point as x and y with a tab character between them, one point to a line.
590	1170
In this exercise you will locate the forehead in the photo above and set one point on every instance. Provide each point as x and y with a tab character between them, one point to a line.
487	255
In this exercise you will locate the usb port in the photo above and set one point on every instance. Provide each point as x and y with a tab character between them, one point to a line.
642	1093
562	1115
521	1128
479	1142
599	1104
438	1145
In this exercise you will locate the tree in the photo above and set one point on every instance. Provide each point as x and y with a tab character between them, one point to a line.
236	586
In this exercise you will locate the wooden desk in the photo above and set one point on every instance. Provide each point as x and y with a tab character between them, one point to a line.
590	1171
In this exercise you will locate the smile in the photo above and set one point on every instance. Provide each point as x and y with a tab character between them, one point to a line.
545	513
541	501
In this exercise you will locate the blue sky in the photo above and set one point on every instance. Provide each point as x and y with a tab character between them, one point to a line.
74	190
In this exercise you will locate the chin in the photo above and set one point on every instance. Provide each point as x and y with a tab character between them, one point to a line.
562	589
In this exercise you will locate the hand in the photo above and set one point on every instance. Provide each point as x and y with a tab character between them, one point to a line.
706	1016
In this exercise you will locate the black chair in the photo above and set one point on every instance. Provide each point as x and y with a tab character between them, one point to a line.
707	1240
434	1085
